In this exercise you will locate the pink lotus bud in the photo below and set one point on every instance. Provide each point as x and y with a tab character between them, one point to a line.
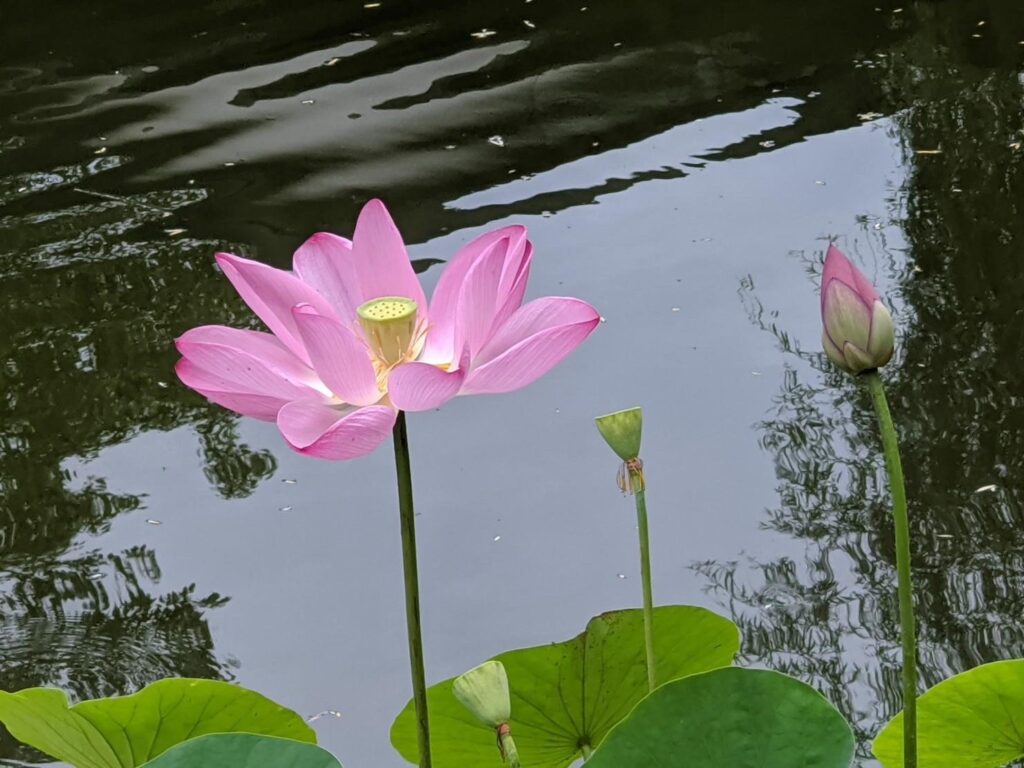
858	330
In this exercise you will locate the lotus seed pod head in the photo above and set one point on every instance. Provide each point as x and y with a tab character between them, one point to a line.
858	333
622	430
484	692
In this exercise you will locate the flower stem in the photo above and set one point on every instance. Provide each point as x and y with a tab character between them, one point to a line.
585	751
508	749
902	526
412	587
645	575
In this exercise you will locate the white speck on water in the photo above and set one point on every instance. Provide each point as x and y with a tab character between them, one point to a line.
95	576
675	309
326	713
944	535
151	521
767	143
449	146
497	141
497	538
100	151
986	488
162	384
755	373
229	165
309	101
174	232
483	34
285	509
371	5
289	481
867	117
529	24
821	183
331	62
620	575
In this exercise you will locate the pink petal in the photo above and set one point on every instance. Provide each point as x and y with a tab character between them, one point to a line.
838	267
444	308
339	357
325	262
534	340
381	260
246	362
271	293
330	433
262	407
422	386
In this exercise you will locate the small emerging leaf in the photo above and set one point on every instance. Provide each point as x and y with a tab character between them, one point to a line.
126	731
740	718
972	720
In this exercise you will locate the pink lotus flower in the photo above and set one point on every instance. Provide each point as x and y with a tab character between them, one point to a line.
352	339
858	331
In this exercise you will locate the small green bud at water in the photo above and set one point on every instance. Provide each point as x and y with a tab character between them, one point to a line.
622	430
484	692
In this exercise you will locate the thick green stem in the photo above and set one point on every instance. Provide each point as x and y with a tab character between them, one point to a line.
645	576
508	749
902	525
585	751
412	587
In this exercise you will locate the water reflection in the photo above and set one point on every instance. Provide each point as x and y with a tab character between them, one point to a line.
832	617
134	145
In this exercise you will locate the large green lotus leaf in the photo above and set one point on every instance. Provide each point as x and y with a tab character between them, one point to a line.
740	718
126	731
972	720
566	695
244	750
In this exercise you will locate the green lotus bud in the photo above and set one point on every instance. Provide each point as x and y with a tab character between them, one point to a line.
621	430
484	692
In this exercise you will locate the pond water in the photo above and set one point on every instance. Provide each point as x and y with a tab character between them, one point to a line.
680	166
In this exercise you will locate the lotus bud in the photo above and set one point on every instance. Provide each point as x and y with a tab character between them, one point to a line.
858	333
484	692
622	431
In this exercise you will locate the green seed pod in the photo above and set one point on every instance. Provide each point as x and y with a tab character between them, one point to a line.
484	692
621	430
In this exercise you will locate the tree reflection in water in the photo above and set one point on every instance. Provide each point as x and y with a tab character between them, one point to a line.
831	618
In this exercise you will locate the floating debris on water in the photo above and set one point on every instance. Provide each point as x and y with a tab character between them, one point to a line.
326	713
498	537
174	232
529	24
621	575
309	101
289	481
986	488
153	521
284	509
497	141
483	34
332	62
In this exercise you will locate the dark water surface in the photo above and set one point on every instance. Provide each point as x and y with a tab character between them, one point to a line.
679	165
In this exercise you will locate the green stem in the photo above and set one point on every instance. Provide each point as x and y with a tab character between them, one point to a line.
508	749
585	751
412	587
645	574
899	513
